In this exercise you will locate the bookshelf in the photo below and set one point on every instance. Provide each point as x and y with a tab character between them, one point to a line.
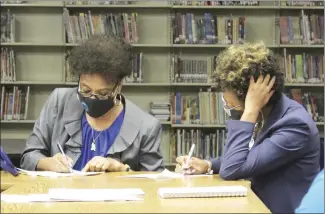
40	46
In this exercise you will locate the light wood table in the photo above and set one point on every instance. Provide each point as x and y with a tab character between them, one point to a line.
152	203
7	180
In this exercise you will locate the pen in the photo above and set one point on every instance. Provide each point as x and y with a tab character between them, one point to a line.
190	155
62	152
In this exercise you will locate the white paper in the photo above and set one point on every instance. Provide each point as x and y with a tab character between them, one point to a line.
95	194
57	174
9	198
166	174
78	192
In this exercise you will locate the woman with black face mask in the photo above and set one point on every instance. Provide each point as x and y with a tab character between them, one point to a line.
97	127
271	139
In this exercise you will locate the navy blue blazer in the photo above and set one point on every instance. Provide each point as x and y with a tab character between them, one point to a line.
283	161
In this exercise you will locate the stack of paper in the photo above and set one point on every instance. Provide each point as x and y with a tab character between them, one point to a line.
166	174
57	174
56	195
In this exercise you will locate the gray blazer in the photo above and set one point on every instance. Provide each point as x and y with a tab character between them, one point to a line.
138	143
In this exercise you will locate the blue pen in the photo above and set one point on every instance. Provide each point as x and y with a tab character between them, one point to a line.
62	152
6	164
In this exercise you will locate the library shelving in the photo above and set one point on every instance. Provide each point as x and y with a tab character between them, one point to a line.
36	53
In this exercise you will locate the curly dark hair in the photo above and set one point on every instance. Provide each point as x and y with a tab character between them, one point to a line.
238	63
107	55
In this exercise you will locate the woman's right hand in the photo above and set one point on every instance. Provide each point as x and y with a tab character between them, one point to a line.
57	163
195	166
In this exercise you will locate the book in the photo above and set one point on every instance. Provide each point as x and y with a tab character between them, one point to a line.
14	102
160	110
8	65
209	143
313	102
302	3
80	26
203	192
97	2
303	68
210	29
198	69
204	108
7	27
307	29
216	3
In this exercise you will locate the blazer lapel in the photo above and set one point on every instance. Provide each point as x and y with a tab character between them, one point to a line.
72	123
129	129
277	113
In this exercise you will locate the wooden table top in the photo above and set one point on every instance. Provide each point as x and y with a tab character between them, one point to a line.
152	203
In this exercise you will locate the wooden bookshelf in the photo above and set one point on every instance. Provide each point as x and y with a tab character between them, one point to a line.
40	48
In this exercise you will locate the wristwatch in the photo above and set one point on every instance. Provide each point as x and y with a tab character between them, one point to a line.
127	168
209	171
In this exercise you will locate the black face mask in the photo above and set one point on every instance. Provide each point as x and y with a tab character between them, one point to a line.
96	107
235	114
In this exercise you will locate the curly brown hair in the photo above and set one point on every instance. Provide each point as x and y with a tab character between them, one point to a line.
236	64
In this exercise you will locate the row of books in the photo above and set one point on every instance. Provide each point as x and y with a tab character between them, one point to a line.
298	68
181	2
97	2
160	110
303	68
208	144
8	65
302	3
137	69
216	3
312	102
204	108
209	29
196	69
306	29
14	102
136	75
80	26
7	26
12	2
207	107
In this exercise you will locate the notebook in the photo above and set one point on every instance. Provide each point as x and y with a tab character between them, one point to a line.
203	192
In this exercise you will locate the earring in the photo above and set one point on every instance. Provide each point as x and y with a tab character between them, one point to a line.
120	100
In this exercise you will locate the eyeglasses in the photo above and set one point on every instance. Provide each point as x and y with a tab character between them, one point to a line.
98	96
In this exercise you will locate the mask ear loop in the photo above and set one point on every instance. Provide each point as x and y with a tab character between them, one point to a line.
118	95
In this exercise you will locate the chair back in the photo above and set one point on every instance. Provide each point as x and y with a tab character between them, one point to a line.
321	161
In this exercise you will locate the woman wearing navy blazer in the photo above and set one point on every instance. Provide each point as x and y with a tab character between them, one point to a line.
271	139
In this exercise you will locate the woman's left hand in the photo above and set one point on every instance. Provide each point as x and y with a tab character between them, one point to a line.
259	93
102	164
